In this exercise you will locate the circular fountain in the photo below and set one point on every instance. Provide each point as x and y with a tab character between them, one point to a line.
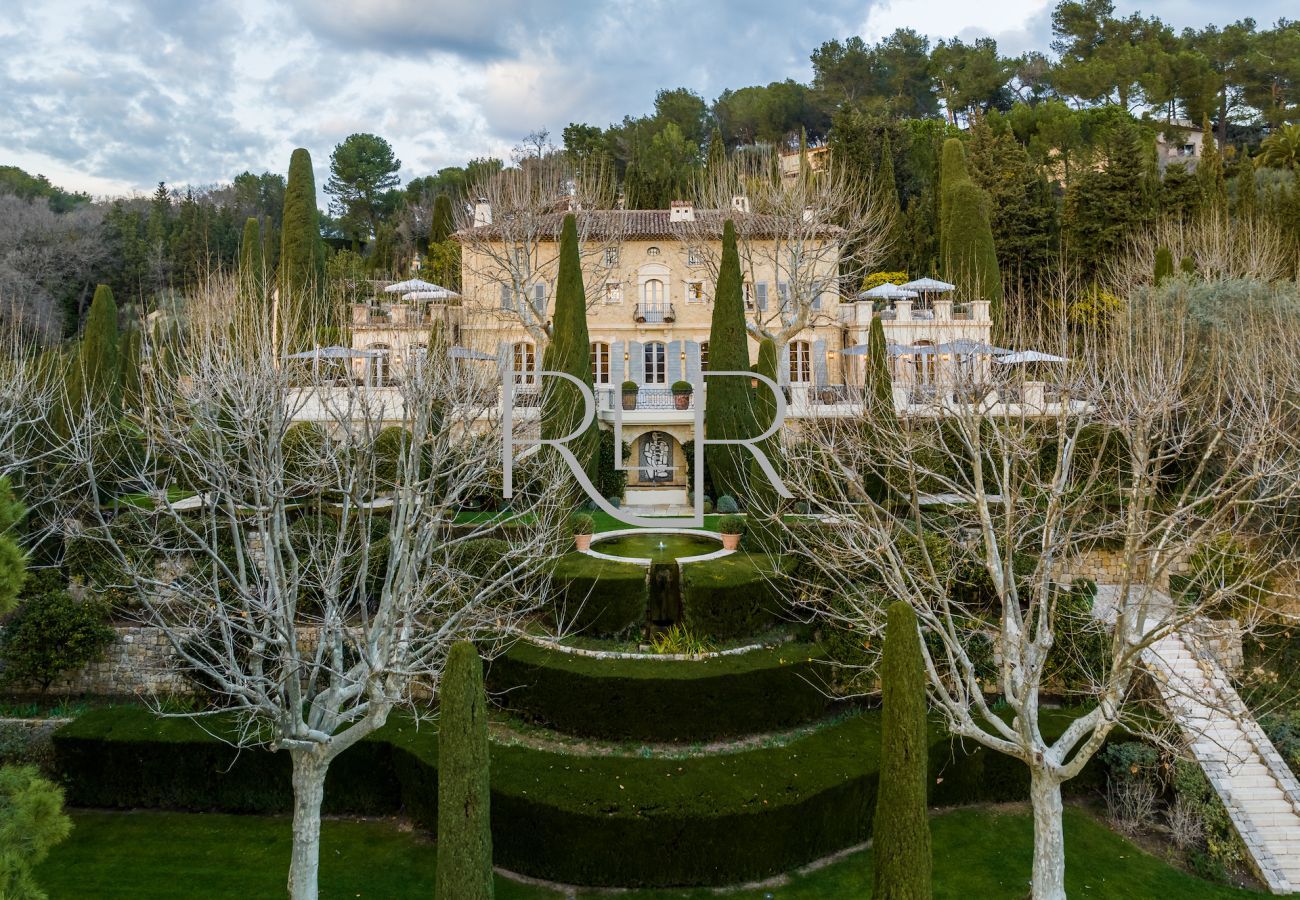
663	553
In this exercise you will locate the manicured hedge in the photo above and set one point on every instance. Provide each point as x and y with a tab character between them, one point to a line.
736	595
599	597
599	820
663	700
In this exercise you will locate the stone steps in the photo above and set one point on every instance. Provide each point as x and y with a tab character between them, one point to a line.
1258	790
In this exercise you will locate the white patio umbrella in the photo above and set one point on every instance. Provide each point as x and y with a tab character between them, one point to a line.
886	291
413	284
929	286
967	345
469	353
1029	356
923	350
435	294
336	353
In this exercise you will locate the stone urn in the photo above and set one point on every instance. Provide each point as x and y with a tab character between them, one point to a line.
582	541
730	541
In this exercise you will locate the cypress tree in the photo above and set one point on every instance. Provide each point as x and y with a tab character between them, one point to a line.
569	351
1247	198
94	379
1164	264
901	833
717	155
302	257
971	261
251	282
464	828
764	501
1209	171
13	562
952	170
443	224
879	385
887	203
730	411
129	382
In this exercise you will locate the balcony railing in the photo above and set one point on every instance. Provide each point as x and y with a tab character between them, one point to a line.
647	398
654	313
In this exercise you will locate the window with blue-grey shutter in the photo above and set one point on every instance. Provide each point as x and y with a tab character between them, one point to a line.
783	296
636	362
783	365
616	363
821	371
692	372
760	294
674	361
539	300
505	297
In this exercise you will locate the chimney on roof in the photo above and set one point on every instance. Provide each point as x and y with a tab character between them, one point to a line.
740	203
681	211
482	212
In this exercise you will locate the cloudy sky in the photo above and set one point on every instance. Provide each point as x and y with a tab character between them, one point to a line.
110	97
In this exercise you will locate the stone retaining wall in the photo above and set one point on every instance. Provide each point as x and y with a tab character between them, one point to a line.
137	662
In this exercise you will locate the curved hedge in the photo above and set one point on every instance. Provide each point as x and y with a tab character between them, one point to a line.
735	595
663	700
598	820
599	597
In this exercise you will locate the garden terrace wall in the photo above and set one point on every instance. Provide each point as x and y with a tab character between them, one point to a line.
599	820
736	595
659	700
138	662
599	597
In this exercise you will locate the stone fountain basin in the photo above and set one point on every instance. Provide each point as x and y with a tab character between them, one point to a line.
677	550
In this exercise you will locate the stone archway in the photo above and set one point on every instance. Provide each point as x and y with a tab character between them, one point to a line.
656	454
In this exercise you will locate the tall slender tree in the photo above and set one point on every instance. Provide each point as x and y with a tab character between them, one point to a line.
1209	172
764	502
302	257
95	377
900	843
569	351
971	261
888	204
13	562
878	383
952	169
464	780
729	412
443	223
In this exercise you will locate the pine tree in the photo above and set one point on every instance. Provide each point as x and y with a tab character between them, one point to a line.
1209	172
952	169
569	351
730	410
443	224
251	283
1022	208
764	501
1105	206
971	262
302	258
1164	264
464	781
900	844
32	821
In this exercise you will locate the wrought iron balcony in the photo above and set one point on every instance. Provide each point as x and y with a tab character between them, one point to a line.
654	314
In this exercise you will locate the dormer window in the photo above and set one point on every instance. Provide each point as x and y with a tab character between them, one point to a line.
652	251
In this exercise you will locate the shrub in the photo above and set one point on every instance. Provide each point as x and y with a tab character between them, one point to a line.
663	700
597	596
51	634
732	524
389	449
13	562
707	506
679	640
901	843
682	387
610	479
31	822
630	387
736	595
1223	575
727	504
582	524
464	825
1223	850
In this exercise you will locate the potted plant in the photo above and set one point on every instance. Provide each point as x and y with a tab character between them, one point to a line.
732	527
583	526
682	394
629	394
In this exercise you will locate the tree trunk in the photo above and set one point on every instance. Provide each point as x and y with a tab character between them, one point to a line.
1049	839
309	770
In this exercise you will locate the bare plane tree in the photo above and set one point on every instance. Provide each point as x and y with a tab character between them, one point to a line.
814	233
510	231
1155	441
302	556
1218	246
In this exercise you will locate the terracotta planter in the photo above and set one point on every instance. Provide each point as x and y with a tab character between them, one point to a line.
730	541
629	400
682	401
582	541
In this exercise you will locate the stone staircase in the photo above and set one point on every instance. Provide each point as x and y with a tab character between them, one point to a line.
1257	787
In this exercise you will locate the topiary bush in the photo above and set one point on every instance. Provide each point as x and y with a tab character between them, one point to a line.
727	505
735	595
53	633
731	524
582	523
597	596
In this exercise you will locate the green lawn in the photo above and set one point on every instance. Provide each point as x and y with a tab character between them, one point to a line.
143	855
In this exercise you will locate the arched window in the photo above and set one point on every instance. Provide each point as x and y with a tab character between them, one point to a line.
652	293
656	369
525	363
923	359
600	362
379	368
800	362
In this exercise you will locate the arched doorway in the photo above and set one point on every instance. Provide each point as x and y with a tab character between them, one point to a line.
655	454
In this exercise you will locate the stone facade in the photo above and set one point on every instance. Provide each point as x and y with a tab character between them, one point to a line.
138	662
